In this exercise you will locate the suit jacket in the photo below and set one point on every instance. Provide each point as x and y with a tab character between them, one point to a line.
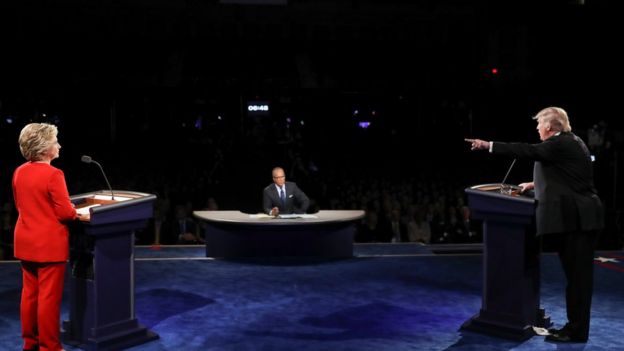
296	199
564	183
42	201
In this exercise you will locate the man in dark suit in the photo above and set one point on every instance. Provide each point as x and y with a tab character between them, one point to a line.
568	207
282	196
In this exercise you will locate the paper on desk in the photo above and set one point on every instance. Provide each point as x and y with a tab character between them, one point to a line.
260	215
85	210
283	216
541	331
301	215
108	197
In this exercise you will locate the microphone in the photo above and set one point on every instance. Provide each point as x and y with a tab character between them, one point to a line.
503	188
88	159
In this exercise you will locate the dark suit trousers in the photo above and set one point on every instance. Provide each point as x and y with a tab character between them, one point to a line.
576	253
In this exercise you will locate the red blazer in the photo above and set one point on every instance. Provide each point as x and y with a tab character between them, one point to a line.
43	204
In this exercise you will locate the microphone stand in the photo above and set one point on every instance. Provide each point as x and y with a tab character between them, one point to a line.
106	179
88	159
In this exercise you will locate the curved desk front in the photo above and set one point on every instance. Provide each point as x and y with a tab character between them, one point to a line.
231	234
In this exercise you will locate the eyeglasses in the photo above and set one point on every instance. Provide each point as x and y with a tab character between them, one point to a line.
279	177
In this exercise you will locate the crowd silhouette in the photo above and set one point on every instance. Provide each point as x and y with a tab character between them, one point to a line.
410	182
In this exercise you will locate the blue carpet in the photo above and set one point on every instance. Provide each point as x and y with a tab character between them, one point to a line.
359	250
388	297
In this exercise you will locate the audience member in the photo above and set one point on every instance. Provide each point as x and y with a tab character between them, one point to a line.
185	226
418	229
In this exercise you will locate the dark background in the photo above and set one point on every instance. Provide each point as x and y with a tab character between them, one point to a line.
157	90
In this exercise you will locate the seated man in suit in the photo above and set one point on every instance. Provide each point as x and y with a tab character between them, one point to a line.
282	196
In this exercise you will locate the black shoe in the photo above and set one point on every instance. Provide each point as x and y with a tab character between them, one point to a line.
556	331
564	337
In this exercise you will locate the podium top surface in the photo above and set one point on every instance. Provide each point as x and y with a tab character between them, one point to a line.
500	191
234	217
124	205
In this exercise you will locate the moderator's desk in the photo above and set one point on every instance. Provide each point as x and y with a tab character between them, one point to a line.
232	234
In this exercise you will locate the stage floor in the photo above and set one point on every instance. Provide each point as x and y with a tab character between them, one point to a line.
387	297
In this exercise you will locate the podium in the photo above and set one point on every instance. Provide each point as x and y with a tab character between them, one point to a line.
511	268
101	284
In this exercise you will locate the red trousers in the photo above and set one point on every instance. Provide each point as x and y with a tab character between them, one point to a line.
40	309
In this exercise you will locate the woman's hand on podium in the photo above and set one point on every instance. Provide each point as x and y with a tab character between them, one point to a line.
83	217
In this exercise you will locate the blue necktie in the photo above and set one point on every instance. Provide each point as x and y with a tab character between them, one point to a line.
283	197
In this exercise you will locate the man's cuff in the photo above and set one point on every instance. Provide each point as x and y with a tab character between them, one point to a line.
491	146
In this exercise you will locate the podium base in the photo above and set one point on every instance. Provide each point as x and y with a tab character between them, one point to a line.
117	341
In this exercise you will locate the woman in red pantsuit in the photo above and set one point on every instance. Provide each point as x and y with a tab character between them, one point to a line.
41	235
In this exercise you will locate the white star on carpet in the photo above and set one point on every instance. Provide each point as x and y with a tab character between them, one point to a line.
605	259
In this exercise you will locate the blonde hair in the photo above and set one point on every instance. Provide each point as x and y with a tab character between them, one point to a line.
35	139
556	118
